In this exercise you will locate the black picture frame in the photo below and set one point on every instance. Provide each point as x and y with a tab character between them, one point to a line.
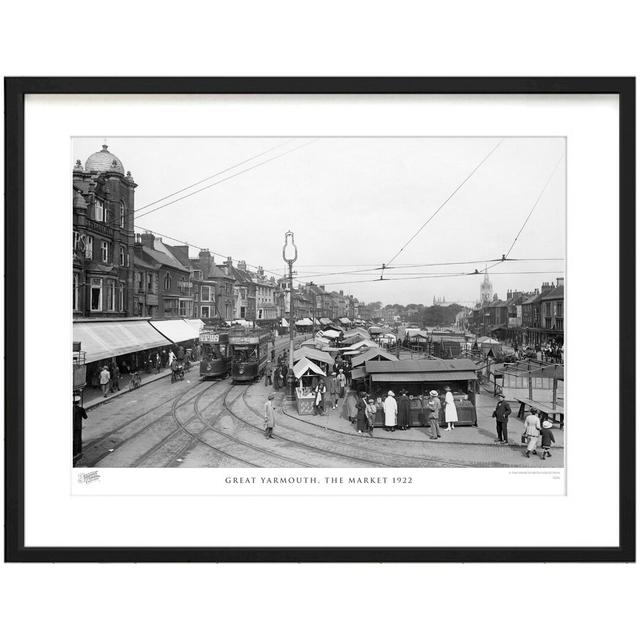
15	91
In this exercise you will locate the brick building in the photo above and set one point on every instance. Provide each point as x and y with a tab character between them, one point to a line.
103	237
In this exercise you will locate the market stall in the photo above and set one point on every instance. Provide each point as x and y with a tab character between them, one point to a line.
418	377
307	375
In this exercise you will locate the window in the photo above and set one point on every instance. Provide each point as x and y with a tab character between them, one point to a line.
167	281
560	309
206	294
104	251
99	211
121	297
76	286
89	248
197	275
150	287
243	312
139	282
205	311
110	288
122	257
96	294
183	308
122	214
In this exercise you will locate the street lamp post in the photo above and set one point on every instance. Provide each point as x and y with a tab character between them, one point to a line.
290	255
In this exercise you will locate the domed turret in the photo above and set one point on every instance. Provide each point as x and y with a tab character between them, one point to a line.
103	160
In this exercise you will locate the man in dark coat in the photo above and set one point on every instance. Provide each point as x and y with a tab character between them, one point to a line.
79	414
501	413
404	411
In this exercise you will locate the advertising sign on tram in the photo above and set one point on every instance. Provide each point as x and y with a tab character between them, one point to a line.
209	336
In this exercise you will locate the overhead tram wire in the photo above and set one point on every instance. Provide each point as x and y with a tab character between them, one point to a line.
435	213
235	175
215	175
535	204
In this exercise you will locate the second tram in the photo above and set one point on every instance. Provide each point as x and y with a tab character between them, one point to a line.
215	357
249	354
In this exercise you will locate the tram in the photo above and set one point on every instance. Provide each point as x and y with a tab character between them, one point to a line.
215	358
249	353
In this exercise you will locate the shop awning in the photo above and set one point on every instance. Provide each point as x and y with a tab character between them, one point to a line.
423	376
304	366
101	340
196	323
175	330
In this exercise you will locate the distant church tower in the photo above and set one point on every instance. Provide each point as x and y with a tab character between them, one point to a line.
486	289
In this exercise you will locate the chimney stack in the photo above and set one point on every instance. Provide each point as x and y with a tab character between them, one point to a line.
560	282
147	240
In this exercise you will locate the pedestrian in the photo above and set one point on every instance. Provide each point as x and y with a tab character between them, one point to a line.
450	411
361	415
371	412
501	413
433	413
390	412
318	405
342	382
269	416
115	377
352	410
332	389
547	438
404	411
268	372
172	357
531	432
79	414
105	376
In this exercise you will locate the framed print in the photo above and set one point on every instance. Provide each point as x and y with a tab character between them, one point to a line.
320	319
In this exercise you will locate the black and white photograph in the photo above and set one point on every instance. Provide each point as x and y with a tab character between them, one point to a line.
318	302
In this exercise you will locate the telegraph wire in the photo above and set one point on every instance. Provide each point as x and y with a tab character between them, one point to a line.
453	193
215	175
209	186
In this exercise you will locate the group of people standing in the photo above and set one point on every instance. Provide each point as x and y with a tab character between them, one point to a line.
534	434
276	374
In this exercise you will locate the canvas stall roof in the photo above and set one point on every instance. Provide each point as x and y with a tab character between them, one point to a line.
356	332
345	320
484	339
284	323
370	354
350	353
325	321
421	365
306	366
312	354
322	340
363	343
423	376
375	330
175	330
102	340
305	322
330	333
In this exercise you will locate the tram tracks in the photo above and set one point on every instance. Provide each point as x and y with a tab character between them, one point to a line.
369	462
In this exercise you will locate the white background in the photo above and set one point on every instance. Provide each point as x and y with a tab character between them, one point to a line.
370	38
53	517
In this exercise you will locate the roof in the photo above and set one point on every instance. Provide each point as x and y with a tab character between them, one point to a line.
312	354
557	293
423	376
421	365
303	366
103	160
370	355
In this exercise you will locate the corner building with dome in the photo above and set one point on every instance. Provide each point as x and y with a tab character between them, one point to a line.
103	237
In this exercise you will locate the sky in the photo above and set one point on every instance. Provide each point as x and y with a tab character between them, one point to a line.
354	203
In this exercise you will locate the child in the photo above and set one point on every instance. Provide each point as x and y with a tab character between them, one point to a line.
547	439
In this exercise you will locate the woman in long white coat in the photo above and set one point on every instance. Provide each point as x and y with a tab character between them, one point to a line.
390	412
450	411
